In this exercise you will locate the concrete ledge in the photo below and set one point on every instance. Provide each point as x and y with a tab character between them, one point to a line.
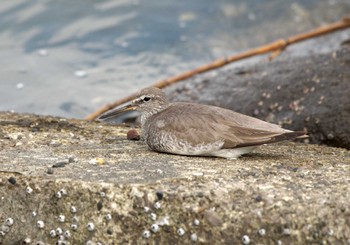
289	193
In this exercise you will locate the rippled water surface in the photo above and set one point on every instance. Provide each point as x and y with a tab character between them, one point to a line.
68	58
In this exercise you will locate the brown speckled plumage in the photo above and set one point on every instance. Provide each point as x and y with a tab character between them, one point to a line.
196	129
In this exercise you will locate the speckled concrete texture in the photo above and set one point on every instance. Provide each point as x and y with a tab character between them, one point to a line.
75	182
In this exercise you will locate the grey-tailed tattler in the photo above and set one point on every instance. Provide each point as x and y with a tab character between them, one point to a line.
199	130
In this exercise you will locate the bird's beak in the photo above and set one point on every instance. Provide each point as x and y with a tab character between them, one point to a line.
130	106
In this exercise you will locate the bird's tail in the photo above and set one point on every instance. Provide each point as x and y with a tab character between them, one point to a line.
291	135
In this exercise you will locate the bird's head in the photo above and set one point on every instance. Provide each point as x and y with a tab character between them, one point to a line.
148	102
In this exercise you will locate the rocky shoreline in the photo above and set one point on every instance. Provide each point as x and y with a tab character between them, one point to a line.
68	181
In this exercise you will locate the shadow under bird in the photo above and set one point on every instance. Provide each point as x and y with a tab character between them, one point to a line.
199	130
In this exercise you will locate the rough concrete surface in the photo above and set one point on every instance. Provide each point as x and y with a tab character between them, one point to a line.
75	182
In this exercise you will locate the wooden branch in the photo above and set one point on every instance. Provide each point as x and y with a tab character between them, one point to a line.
276	47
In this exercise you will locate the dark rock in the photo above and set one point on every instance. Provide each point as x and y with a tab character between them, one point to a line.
306	92
71	159
12	180
35	129
159	195
99	205
133	135
258	198
200	194
59	165
109	231
49	171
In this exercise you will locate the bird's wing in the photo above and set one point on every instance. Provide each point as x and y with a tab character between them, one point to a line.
199	124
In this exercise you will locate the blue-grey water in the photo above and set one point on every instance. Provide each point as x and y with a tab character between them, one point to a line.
68	58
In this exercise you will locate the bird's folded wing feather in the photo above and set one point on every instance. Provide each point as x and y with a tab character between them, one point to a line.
197	126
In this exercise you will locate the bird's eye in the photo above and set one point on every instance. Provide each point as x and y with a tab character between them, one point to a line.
146	98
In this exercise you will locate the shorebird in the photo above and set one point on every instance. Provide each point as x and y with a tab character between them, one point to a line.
199	130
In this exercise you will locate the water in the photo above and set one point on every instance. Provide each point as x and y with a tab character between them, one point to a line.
68	58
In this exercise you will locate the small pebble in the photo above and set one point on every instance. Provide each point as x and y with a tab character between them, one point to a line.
27	241
59	165
159	195
49	171
154	228
61	218
108	216
146	234
9	222
74	227
194	237
62	241
71	160
159	171
286	231
90	226
258	198
200	194
59	195
109	231
52	233
59	231
157	205
73	209
35	129
153	216
29	190
262	232
245	239
196	222
133	135
163	221
99	205
75	219
67	234
40	224
99	161
12	180
181	232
